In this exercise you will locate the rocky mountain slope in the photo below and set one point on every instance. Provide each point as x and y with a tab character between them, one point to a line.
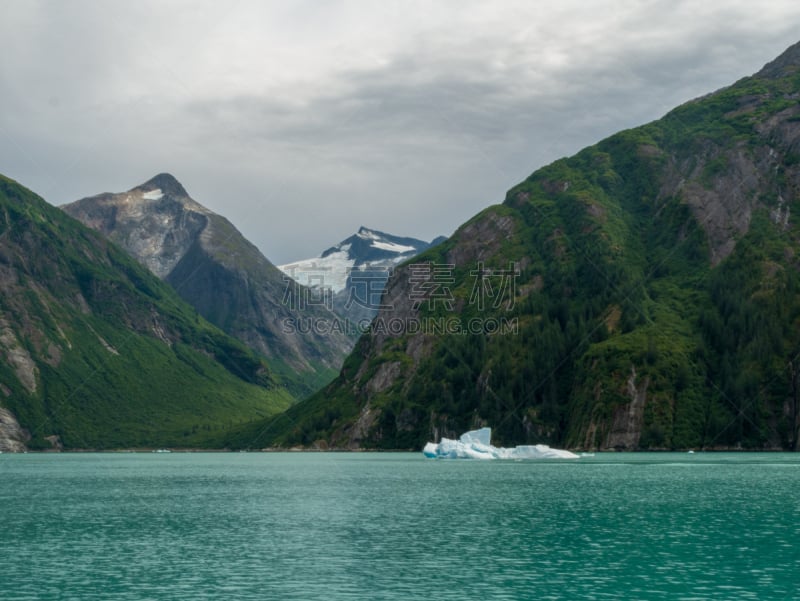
216	270
96	352
352	275
642	294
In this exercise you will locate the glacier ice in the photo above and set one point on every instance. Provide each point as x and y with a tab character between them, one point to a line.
476	444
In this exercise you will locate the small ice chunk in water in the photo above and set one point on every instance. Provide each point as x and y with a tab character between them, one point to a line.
476	444
430	449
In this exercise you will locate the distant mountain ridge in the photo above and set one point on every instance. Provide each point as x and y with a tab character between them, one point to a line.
215	269
368	247
355	271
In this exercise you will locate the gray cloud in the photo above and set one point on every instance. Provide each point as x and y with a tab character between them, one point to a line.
302	122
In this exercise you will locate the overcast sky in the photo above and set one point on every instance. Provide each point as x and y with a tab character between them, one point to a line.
300	121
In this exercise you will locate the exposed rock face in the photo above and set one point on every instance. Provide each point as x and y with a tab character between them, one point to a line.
155	228
626	428
723	185
220	273
787	63
18	357
12	436
481	238
724	209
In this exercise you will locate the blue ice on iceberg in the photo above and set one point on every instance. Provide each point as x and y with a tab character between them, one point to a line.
476	444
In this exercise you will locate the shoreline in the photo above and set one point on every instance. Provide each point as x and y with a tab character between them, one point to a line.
169	450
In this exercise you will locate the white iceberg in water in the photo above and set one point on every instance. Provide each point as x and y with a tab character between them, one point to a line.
476	444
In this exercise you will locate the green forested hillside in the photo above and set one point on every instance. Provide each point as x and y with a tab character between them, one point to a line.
656	304
99	353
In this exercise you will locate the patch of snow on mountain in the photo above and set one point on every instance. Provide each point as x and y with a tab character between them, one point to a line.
156	194
327	272
367	234
392	247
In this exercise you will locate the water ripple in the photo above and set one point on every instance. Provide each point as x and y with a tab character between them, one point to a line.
377	526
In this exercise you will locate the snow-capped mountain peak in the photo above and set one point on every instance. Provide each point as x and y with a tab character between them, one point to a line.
367	253
366	249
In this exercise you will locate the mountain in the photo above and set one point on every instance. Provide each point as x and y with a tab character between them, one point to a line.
352	275
642	294
225	277
99	353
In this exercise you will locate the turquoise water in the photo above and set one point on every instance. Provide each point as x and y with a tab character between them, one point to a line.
248	526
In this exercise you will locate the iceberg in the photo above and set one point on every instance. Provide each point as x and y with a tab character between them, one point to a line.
476	444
